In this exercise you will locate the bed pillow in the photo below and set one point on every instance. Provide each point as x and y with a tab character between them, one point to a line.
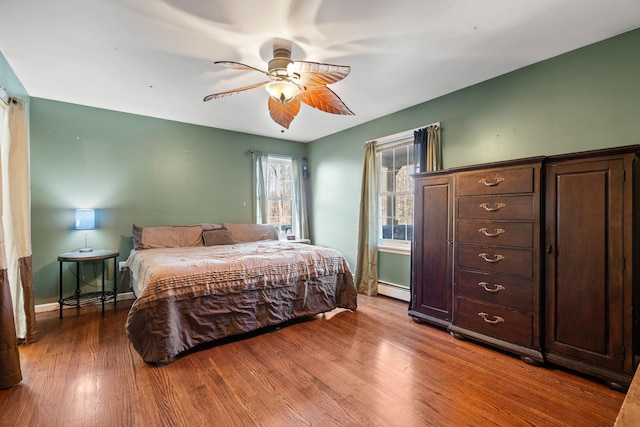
210	226
218	237
244	233
179	236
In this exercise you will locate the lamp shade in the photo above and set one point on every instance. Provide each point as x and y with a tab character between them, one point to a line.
85	219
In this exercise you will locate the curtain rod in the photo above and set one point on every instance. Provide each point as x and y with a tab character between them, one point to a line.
250	152
4	96
401	134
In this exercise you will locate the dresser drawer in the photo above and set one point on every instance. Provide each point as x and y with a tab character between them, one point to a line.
496	181
496	207
494	320
496	233
496	260
507	291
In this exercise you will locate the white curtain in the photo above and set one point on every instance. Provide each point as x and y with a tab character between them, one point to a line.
301	227
17	309
259	170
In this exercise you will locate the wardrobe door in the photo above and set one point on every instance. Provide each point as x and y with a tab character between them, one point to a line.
584	262
431	297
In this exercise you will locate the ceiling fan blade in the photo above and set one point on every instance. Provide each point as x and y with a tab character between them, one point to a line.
239	66
283	113
316	73
234	91
323	98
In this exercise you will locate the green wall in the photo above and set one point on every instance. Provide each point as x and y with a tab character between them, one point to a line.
396	268
10	81
132	169
136	169
582	100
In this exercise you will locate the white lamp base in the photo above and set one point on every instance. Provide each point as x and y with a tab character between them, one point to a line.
85	250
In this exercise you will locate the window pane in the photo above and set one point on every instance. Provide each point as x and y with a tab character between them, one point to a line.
386	159
279	179
279	190
403	180
396	192
387	231
387	204
404	208
279	208
401	232
387	181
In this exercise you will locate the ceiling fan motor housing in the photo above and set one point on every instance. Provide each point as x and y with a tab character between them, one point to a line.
281	59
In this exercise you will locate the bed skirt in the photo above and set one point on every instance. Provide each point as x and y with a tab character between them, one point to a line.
174	325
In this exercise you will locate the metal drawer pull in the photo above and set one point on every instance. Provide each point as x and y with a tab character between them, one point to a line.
496	319
495	182
497	258
496	232
496	288
497	206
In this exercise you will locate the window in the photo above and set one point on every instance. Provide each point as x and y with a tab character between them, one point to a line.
279	189
395	192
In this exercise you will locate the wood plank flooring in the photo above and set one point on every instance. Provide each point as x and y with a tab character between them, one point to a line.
370	367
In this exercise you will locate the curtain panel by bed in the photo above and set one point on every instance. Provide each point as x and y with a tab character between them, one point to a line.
301	227
366	276
17	309
259	169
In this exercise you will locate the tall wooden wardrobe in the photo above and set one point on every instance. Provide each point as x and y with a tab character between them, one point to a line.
543	261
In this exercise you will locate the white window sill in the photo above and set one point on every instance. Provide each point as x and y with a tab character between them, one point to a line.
392	249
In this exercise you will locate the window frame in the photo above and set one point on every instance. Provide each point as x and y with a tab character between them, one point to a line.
392	142
274	158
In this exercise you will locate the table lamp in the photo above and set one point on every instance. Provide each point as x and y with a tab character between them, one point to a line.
85	220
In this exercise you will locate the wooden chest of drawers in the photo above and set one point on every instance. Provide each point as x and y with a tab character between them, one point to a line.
497	247
478	267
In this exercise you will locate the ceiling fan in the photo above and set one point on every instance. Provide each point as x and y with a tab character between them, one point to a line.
291	82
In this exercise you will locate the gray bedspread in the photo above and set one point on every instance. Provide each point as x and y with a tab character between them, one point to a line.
190	296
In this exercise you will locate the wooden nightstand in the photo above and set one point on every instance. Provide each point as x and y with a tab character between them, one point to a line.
79	299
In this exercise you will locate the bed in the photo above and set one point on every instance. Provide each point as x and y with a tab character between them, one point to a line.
196	285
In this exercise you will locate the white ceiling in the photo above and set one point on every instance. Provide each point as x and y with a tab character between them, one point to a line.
155	57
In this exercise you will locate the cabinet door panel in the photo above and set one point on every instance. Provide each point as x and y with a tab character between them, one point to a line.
432	270
584	263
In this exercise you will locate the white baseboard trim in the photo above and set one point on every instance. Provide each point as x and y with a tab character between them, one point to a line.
394	291
52	306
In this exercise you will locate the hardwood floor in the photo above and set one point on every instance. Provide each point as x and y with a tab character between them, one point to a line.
371	367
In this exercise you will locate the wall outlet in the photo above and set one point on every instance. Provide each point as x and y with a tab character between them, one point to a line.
121	266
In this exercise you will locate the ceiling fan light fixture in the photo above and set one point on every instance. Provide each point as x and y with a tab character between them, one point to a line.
282	91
